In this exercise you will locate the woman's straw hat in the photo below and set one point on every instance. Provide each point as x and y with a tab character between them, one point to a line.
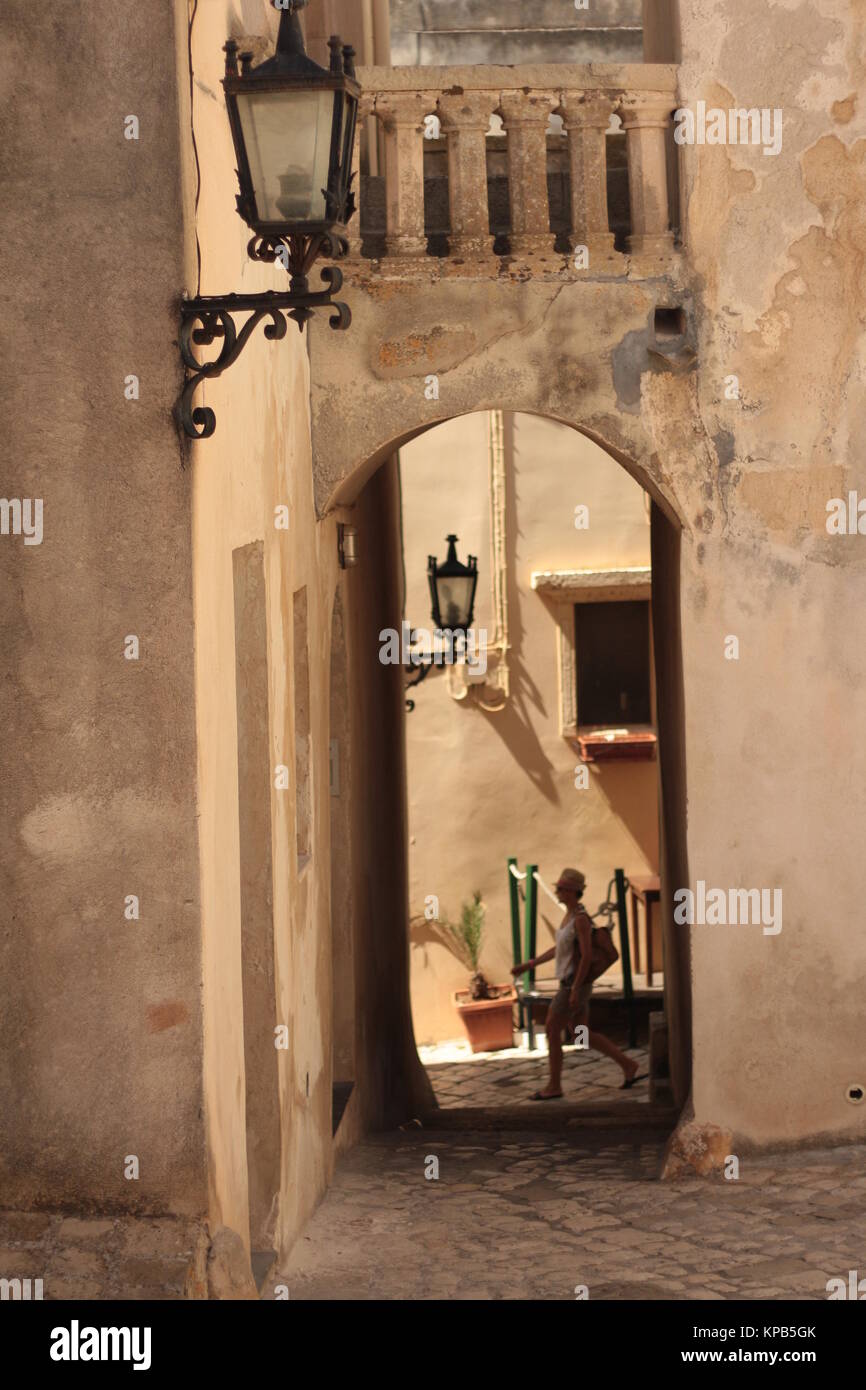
573	879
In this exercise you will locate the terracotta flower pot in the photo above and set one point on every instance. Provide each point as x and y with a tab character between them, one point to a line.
488	1022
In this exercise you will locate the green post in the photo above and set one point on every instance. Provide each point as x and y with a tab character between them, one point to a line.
514	900
531	920
625	954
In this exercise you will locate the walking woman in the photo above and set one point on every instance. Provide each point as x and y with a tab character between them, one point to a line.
572	954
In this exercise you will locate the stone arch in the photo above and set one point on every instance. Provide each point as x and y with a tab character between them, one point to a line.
644	474
667	529
582	353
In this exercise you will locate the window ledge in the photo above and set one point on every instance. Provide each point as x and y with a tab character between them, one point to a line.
593	586
615	745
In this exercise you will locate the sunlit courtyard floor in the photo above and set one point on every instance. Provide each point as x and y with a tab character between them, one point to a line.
480	1080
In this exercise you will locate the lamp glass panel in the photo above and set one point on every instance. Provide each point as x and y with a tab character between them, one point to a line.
455	596
288	141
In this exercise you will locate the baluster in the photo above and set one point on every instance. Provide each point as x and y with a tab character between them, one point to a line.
465	118
402	116
647	119
526	117
586	122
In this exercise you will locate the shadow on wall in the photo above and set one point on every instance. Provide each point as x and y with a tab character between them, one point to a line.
423	933
631	791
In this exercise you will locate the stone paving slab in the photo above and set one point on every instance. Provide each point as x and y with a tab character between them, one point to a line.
462	1079
516	1216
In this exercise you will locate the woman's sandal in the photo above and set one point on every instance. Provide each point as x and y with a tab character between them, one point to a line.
539	1096
627	1085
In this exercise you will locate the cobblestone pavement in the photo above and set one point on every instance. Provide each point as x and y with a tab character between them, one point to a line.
518	1216
461	1078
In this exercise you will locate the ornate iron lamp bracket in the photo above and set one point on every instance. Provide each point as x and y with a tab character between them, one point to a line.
209	318
425	668
309	225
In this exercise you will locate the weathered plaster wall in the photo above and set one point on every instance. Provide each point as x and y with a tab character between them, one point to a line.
778	797
774	772
101	1021
573	350
485	785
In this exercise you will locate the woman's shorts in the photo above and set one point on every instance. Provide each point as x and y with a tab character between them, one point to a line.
561	1007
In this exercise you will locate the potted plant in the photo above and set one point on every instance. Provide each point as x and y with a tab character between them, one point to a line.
486	1010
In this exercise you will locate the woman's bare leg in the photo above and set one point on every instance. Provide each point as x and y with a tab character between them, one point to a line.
554	1057
600	1043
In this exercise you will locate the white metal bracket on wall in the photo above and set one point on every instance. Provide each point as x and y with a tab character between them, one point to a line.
490	691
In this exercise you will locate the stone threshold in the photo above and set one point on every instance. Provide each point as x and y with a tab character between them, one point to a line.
554	1115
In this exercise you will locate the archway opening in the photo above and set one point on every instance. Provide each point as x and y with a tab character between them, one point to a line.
566	749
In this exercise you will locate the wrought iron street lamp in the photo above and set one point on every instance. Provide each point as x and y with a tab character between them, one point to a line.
452	597
293	126
452	590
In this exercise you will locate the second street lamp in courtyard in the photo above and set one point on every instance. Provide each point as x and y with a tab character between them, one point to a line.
293	126
452	590
452	602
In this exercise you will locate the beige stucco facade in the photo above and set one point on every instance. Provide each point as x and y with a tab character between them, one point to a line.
197	776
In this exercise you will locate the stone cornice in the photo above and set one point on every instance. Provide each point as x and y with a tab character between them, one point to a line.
620	78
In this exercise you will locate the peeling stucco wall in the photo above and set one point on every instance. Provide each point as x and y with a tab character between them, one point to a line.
561	348
771	278
776	246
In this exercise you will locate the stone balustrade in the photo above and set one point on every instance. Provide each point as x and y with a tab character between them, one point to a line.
397	217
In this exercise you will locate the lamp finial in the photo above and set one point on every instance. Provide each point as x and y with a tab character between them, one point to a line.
290	38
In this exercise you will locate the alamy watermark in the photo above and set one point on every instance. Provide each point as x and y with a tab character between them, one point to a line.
22	516
441	647
738	126
719	907
77	1343
854	1289
846	517
20	1290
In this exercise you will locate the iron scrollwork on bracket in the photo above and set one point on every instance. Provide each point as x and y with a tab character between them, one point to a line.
206	319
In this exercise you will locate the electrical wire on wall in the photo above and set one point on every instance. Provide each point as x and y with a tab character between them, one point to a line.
192	14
